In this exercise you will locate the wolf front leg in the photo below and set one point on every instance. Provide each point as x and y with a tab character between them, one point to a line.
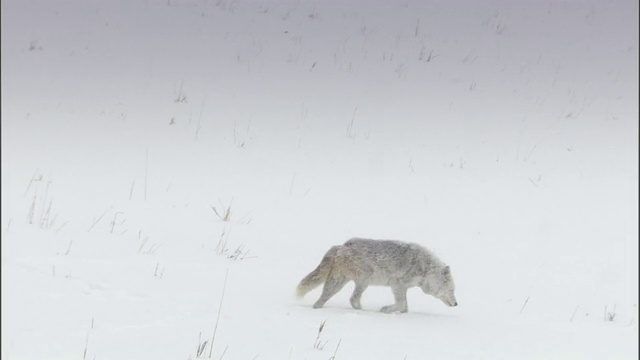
400	294
332	285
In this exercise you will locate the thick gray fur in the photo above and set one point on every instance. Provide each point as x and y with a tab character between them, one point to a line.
396	264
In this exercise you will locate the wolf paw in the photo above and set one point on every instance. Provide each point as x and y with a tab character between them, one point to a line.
393	309
388	309
356	305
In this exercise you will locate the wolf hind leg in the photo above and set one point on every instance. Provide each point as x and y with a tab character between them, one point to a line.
357	293
400	294
332	285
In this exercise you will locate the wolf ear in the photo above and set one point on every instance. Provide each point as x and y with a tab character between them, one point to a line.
446	270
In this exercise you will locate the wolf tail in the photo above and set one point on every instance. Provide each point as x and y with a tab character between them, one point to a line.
319	274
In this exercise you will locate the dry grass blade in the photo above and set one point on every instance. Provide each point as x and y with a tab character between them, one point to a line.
333	357
523	305
215	329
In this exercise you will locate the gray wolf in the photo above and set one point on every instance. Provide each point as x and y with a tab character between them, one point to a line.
399	265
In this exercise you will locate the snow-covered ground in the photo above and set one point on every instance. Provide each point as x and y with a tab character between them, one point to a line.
501	134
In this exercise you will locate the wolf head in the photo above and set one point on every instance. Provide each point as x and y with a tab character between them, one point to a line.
439	283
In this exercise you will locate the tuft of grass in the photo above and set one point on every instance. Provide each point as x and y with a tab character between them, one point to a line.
610	316
424	57
40	204
222	248
318	344
150	250
33	46
113	222
181	97
158	274
238	254
224	213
